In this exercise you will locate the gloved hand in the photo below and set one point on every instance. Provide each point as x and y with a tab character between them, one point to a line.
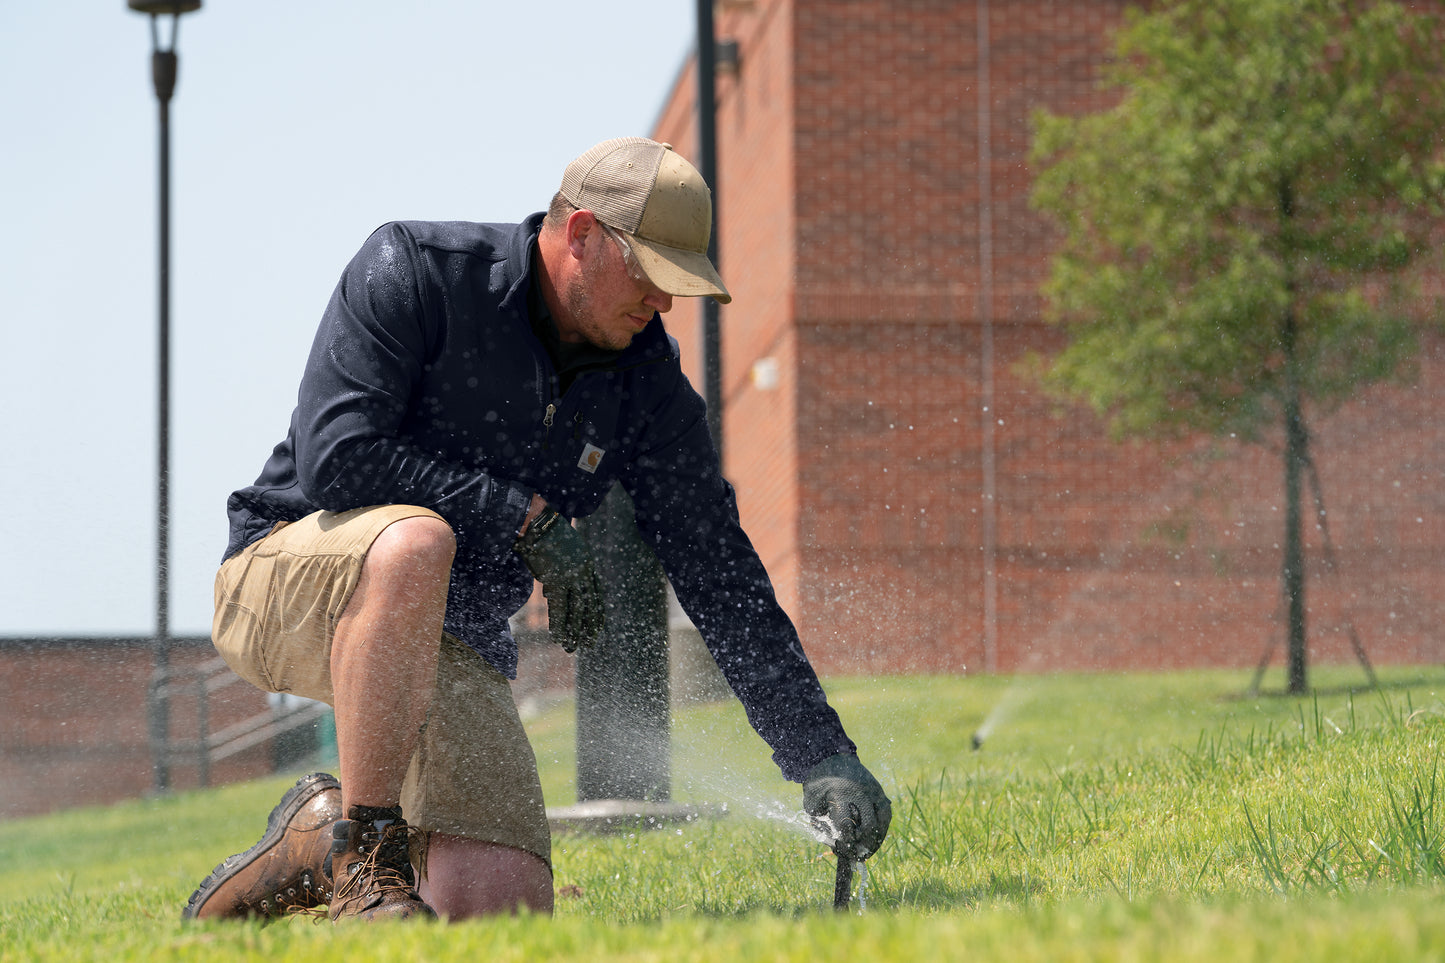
559	559
842	790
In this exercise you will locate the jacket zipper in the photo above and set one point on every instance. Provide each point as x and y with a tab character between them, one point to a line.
547	418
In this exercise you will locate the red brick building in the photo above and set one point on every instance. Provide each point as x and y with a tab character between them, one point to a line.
919	502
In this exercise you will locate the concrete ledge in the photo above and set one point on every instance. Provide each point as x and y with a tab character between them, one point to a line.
604	816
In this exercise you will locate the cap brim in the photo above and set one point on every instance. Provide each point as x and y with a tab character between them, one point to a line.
685	274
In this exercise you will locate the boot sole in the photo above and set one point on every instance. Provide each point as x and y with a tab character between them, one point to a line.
306	789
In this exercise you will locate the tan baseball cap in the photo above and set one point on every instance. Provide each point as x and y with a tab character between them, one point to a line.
648	191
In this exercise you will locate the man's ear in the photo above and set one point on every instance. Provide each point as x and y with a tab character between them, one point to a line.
580	223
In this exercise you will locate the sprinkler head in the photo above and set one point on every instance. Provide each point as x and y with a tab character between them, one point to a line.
977	741
843	884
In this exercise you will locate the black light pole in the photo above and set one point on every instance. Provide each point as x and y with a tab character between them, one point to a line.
163	73
707	167
623	697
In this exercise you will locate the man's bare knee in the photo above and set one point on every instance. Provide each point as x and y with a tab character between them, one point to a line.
422	543
409	562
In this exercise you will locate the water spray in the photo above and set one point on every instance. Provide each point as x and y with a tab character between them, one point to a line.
818	828
1014	697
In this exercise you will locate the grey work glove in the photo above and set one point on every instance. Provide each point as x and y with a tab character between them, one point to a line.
559	559
840	790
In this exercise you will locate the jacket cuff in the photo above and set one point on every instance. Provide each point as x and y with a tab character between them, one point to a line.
796	767
514	509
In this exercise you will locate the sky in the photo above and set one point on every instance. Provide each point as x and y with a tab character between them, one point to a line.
297	127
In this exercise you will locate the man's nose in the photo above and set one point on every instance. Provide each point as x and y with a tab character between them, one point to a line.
659	301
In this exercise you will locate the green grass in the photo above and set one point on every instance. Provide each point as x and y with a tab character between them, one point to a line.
1114	817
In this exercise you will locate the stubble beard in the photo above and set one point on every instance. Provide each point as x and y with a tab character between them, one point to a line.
578	301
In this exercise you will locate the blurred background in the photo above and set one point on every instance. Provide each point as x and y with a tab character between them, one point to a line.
922	504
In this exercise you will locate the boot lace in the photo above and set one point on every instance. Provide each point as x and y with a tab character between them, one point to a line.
385	864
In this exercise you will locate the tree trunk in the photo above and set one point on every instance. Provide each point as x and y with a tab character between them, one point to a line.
1295	454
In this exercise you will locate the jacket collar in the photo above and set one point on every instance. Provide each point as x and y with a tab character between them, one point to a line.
517	269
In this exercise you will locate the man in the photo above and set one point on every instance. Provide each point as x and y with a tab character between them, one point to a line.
471	388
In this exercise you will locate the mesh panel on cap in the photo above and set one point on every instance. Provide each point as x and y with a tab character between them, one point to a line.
614	180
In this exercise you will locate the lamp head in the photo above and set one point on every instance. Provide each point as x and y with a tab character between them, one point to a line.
157	7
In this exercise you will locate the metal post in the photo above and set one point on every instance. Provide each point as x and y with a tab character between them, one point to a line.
707	167
623	733
989	441
164	63
623	738
163	66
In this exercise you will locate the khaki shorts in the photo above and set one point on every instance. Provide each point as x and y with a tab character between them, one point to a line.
277	603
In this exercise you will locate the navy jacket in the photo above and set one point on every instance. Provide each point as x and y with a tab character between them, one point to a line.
427	386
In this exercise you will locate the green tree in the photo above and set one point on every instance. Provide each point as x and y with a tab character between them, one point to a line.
1242	232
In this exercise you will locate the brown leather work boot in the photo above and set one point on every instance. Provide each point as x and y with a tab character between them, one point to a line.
371	867
285	871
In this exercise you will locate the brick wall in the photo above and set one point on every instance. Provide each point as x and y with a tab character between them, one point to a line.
853	236
1137	555
75	730
757	229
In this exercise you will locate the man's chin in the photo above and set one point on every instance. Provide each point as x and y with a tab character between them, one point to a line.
611	342
622	339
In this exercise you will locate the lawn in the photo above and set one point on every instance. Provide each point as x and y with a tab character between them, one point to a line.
1105	817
